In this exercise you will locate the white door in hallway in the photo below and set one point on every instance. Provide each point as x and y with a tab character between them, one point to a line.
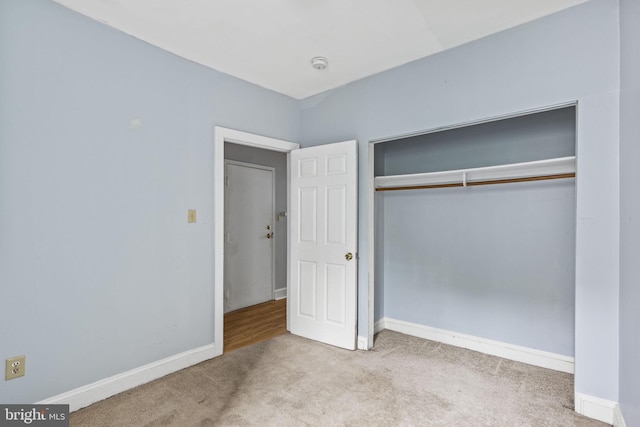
249	250
323	244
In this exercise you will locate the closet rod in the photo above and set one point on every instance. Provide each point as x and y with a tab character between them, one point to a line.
489	182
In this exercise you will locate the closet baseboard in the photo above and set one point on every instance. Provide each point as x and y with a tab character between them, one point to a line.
531	356
597	408
618	419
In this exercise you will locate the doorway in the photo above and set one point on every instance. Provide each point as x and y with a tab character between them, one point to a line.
249	258
241	147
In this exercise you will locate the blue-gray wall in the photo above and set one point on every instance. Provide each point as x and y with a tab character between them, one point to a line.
492	261
539	136
630	211
99	269
569	56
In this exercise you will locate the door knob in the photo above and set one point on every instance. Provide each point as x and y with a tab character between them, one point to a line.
348	256
269	235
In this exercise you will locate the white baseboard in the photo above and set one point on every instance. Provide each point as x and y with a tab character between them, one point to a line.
378	326
595	407
99	390
280	293
527	355
618	419
362	343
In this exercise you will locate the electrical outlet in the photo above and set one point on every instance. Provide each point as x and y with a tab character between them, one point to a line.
191	216
15	367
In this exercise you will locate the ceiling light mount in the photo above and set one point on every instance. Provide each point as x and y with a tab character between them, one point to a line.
319	62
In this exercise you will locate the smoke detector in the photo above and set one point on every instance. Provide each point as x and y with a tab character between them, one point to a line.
319	62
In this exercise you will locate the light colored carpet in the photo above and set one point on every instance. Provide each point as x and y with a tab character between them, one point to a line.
291	381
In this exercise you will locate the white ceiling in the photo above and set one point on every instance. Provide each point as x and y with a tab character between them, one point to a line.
271	42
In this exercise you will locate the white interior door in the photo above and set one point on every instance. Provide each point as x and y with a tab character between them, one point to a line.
248	252
323	244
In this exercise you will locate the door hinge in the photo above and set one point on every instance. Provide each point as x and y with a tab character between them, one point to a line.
227	237
226	181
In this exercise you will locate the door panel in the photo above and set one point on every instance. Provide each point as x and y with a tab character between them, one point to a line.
308	215
249	214
336	291
308	285
323	230
336	211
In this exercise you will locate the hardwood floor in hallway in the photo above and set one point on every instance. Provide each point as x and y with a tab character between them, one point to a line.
254	324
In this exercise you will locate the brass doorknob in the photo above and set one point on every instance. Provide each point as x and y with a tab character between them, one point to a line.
270	235
348	256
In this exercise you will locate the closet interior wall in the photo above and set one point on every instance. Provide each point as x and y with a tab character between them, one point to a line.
495	261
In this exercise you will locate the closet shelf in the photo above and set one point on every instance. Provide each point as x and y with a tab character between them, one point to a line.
561	167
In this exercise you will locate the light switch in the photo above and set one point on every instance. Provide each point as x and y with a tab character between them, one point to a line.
191	216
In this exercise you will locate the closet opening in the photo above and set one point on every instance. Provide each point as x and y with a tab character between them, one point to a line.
474	230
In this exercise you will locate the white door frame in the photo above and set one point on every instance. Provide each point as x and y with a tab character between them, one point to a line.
222	135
